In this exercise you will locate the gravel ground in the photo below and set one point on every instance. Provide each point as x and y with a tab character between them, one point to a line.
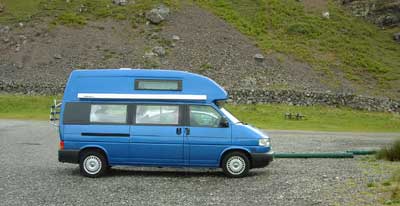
31	175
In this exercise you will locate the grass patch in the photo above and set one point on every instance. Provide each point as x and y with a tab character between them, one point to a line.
322	118
19	10
391	153
386	191
71	19
342	42
77	12
25	107
266	116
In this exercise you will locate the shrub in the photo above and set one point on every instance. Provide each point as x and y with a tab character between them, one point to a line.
391	153
71	19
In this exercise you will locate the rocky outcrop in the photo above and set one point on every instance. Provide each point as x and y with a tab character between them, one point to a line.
383	13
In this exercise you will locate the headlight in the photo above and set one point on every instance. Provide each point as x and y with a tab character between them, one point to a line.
264	142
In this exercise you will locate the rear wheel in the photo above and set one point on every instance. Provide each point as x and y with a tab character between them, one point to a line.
236	164
93	164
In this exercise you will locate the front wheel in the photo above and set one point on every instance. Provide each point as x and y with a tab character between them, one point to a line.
236	164
93	164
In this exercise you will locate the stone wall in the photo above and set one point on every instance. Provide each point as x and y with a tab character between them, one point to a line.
248	97
314	98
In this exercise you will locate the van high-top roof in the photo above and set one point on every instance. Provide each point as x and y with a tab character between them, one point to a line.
141	84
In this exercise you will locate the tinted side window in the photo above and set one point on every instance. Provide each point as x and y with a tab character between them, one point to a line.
76	113
157	114
204	116
108	113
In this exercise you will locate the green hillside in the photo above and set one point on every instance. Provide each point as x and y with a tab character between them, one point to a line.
341	45
345	43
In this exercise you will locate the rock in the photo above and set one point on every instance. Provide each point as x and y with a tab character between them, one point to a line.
396	37
6	40
120	2
20	24
1	7
259	57
176	38
57	56
19	65
149	54
159	51
17	47
157	15
4	29
326	15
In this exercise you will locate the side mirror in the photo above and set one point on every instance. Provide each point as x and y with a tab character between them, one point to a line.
223	123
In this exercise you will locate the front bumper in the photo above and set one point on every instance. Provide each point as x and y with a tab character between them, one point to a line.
259	160
69	156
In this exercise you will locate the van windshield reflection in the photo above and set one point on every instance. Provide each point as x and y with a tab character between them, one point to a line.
230	116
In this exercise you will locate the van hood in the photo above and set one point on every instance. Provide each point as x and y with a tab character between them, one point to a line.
247	131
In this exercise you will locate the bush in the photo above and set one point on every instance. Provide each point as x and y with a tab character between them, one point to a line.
71	19
391	153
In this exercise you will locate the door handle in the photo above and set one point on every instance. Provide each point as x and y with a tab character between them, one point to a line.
187	131
178	131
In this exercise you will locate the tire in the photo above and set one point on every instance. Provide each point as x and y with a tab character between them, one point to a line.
236	165
93	164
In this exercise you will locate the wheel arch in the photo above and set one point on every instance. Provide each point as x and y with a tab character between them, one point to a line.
234	149
96	148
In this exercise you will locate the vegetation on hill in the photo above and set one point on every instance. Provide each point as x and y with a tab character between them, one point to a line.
77	12
367	56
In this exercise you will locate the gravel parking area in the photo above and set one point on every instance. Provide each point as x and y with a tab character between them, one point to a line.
31	175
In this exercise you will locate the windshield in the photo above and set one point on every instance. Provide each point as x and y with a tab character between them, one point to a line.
229	116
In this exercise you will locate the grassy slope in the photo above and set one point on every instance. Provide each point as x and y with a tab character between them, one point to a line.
77	12
342	42
262	116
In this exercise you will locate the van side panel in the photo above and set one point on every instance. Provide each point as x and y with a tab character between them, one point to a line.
113	138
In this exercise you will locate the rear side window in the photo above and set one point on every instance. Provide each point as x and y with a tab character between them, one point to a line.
154	84
157	114
76	113
108	113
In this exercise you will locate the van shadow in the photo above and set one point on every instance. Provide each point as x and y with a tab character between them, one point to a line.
165	172
115	172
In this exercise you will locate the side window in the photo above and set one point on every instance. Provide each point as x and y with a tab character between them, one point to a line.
154	84
157	114
76	113
108	113
204	116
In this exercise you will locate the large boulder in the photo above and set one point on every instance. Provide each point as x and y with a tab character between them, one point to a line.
158	14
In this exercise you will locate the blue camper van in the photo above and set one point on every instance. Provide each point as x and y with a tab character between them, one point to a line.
161	118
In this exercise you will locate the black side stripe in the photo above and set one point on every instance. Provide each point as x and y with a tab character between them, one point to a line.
105	134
